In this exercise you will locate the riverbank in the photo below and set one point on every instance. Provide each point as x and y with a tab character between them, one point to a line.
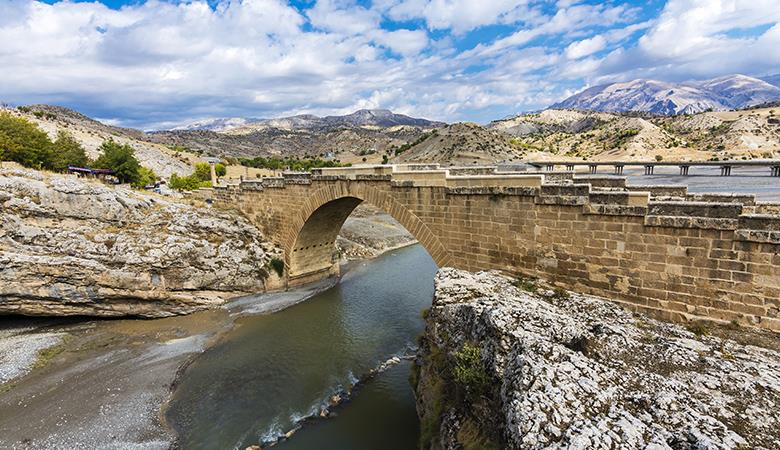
113	378
517	364
104	383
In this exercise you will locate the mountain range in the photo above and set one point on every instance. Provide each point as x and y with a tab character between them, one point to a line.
641	95
381	118
653	128
663	98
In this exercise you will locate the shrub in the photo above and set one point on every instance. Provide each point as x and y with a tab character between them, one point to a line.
220	169
146	177
203	171
187	183
525	284
698	327
469	371
659	158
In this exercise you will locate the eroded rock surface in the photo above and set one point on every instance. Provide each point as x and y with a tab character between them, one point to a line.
369	232
564	370
70	246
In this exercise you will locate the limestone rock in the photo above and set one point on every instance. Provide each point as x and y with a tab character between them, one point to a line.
70	246
574	371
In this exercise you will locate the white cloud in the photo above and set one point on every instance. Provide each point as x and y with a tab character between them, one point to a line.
458	15
160	61
345	18
585	47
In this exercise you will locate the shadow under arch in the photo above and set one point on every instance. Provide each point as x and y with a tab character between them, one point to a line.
311	240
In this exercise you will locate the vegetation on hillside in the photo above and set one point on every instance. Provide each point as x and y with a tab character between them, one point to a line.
398	150
296	164
200	177
23	142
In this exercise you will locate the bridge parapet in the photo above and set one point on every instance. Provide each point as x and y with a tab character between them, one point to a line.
602	181
352	172
772	208
474	170
626	198
296	177
687	214
661	190
428	178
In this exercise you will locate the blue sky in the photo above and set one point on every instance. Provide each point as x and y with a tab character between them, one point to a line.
157	64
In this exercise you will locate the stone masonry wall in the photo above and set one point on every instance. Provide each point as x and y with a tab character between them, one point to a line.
675	257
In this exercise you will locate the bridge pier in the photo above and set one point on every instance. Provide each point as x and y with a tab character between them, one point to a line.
775	171
684	170
725	171
592	168
618	169
550	167
570	167
649	169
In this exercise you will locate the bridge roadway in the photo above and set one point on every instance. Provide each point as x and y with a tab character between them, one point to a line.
656	249
725	166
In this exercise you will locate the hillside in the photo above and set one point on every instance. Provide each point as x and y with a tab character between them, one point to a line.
91	133
751	133
346	144
462	143
381	118
552	133
657	97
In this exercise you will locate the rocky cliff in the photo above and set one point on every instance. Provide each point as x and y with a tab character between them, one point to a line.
75	247
514	365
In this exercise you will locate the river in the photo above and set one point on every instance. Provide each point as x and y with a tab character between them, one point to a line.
272	370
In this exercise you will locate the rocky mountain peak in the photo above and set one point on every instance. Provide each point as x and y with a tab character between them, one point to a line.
666	98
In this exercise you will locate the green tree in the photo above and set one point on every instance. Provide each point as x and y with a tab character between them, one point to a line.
68	152
7	146
220	169
24	142
121	159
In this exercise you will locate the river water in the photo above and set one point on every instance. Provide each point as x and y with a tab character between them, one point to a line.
273	370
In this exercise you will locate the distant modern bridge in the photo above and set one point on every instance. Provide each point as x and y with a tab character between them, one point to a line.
657	249
725	166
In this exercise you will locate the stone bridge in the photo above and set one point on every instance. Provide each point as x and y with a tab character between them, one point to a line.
656	249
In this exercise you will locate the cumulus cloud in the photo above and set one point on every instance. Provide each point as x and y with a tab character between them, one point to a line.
154	62
585	47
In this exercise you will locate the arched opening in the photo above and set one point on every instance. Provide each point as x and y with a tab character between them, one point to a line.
311	254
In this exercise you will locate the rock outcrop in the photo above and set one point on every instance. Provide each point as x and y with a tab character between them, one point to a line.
369	232
74	247
504	367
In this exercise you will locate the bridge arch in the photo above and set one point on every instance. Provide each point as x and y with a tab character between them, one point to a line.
312	234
